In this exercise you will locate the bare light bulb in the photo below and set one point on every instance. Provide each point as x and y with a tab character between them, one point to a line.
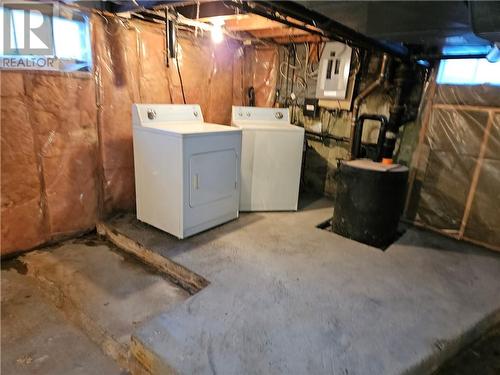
217	34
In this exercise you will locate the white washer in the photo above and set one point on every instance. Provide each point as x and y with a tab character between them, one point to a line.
186	171
271	159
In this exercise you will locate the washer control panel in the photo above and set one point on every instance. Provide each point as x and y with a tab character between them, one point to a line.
259	114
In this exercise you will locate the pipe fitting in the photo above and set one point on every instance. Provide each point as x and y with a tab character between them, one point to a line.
364	94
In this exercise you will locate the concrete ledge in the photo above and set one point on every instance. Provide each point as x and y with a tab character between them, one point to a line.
143	350
446	349
287	298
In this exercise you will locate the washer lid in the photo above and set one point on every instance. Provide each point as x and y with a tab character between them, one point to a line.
258	115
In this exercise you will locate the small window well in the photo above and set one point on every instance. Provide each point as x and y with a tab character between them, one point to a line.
44	37
468	71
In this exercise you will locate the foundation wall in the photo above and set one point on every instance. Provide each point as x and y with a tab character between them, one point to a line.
66	138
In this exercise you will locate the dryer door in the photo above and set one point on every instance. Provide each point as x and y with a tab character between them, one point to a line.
213	176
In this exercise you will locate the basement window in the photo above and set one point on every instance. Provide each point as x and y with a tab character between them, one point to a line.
468	72
44	37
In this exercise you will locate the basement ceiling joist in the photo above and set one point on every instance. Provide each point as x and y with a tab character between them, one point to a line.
251	22
240	21
263	28
254	25
258	19
278	32
300	39
235	20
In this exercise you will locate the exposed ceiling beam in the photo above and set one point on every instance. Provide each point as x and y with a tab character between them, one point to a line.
282	11
205	10
278	20
251	22
129	6
300	39
278	32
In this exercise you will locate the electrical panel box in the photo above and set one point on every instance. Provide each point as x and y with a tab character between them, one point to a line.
333	74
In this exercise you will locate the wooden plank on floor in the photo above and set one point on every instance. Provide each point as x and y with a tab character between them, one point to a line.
188	279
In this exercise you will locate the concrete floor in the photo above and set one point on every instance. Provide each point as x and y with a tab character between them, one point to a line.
275	295
37	338
95	290
288	298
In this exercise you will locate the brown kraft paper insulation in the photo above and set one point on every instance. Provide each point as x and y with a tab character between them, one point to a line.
137	73
22	218
49	145
67	138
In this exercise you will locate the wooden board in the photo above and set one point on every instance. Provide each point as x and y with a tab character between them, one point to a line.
251	22
279	32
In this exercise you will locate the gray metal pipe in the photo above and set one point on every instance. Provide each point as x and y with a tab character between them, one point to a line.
364	94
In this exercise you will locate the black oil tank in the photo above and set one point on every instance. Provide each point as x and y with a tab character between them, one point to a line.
369	201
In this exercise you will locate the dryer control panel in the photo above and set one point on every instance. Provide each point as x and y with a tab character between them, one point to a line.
148	114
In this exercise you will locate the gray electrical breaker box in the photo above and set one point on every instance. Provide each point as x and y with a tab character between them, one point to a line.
333	73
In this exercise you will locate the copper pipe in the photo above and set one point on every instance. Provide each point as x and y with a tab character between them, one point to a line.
364	94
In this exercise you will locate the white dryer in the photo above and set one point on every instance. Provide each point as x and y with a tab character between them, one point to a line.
271	159
186	171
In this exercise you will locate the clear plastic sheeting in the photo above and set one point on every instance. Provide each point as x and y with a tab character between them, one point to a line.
478	95
456	177
67	157
132	68
260	69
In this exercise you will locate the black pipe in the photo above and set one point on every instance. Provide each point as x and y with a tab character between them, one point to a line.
167	39
432	57
245	7
401	86
323	136
251	96
358	133
154	16
368	90
172	39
